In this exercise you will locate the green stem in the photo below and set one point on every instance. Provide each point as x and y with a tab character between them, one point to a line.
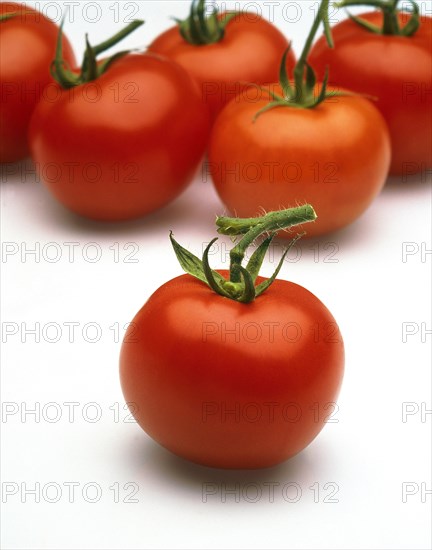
199	30
379	4
118	37
255	227
299	69
390	16
7	16
90	69
241	284
302	94
390	11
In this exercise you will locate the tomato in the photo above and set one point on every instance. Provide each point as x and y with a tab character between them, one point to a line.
335	156
123	145
28	42
300	142
397	71
248	52
229	384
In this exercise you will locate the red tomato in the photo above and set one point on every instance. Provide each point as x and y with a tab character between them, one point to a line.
28	44
124	145
232	385
397	70
334	156
250	52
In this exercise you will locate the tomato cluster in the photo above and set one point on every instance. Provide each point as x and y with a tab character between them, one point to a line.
126	134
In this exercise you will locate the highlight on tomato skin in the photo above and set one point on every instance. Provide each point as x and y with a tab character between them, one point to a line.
246	50
28	40
124	135
396	71
230	382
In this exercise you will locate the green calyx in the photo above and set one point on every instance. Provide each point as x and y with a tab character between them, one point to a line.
241	284
390	10
7	16
199	29
301	92
11	14
91	69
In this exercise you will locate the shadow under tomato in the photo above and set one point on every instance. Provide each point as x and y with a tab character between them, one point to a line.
149	458
176	216
408	184
364	230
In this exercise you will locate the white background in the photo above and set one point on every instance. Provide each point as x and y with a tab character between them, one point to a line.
366	456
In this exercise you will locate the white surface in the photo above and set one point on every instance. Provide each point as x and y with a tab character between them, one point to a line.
367	456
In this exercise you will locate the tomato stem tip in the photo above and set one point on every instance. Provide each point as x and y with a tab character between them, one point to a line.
91	69
301	93
390	10
7	16
199	29
241	284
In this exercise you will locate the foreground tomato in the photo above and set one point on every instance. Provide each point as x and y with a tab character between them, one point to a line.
394	68
124	142
244	377
28	42
300	143
224	51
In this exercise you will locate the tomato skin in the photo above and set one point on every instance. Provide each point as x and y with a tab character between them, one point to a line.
250	52
335	157
398	72
180	367
28	43
130	151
